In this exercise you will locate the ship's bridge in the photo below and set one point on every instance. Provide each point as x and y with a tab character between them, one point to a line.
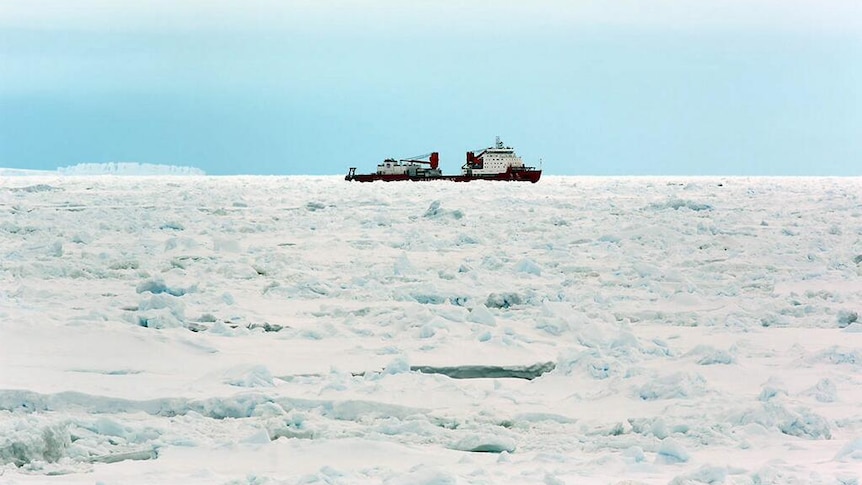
492	160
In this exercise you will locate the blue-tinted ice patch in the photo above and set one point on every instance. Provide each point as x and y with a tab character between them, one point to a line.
852	451
435	211
824	391
403	266
34	441
503	300
677	204
398	365
634	454
670	452
429	299
172	226
466	239
249	376
709	355
161	311
481	315
802	422
840	356
485	443
590	361
47	444
705	475
553	326
673	386
770	392
608	238
158	285
846	318
529	267
491	262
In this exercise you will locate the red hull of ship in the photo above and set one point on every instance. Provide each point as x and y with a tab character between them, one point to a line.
531	176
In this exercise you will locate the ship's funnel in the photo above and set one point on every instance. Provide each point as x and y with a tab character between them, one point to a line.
471	157
435	160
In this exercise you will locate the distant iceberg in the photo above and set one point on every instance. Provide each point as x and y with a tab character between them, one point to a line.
111	168
127	168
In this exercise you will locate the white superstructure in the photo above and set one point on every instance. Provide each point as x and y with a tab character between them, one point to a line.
395	167
418	166
491	161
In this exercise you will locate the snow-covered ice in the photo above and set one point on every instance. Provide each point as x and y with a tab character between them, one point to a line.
282	330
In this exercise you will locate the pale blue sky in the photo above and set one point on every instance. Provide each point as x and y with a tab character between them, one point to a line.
707	87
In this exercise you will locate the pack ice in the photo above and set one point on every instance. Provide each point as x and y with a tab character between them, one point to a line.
298	330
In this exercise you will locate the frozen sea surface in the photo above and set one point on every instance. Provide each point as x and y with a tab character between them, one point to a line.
282	330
